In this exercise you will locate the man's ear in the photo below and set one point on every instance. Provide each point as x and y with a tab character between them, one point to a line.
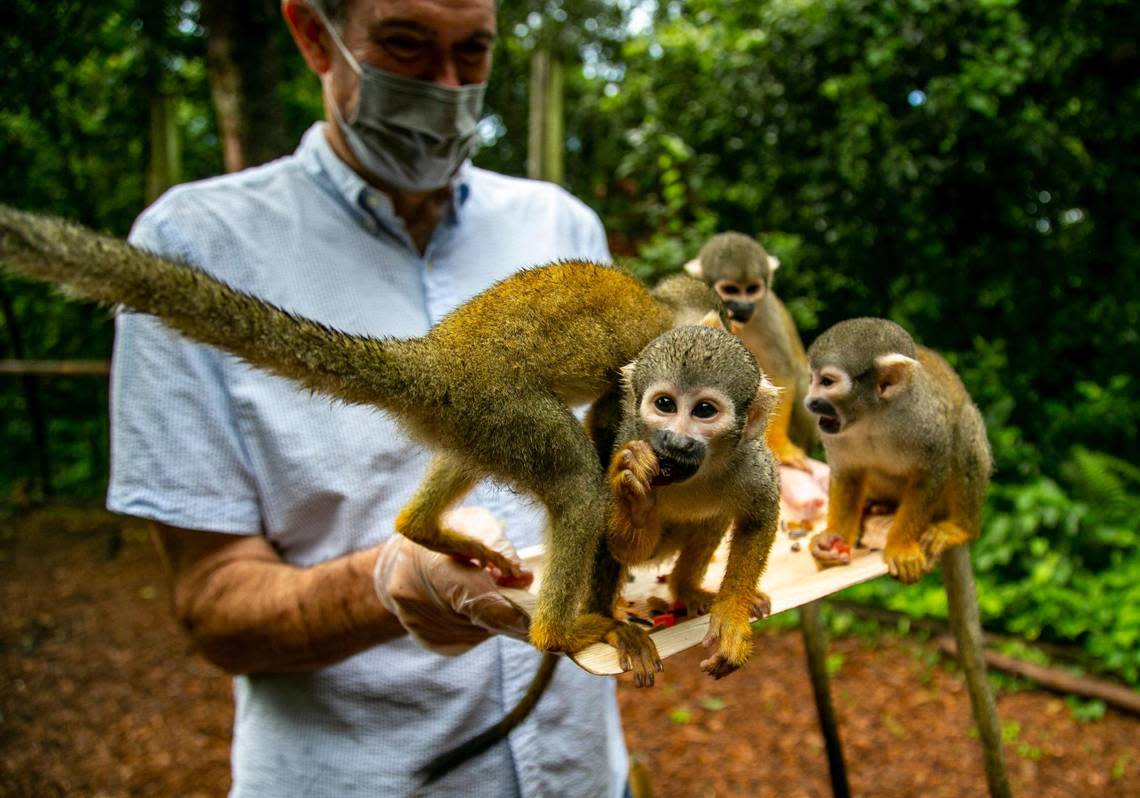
693	269
761	409
308	31
893	374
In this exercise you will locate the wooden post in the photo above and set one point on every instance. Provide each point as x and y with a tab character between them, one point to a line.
815	646
958	576
544	159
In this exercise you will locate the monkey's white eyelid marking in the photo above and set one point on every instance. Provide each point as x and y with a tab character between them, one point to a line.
840	381
693	269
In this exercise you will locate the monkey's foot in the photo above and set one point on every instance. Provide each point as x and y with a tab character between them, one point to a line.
830	549
731	632
696	601
761	605
636	652
585	630
905	561
941	536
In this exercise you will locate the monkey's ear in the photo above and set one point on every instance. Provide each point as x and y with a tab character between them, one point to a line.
626	382
761	409
693	269
773	263
893	373
712	319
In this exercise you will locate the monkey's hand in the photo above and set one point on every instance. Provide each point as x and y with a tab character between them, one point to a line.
637	652
448	605
905	560
830	549
634	531
730	630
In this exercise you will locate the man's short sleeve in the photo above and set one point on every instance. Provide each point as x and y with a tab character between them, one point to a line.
176	453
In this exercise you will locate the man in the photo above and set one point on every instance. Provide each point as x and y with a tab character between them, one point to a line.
276	507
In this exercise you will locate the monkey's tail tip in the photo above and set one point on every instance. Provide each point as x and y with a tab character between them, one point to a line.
449	760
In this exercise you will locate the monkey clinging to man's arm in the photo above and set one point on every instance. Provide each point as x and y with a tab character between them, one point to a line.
899	429
690	463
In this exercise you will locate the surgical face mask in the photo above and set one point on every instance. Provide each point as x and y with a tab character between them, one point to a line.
411	134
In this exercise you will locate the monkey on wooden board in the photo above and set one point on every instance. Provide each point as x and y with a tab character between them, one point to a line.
900	430
690	463
489	388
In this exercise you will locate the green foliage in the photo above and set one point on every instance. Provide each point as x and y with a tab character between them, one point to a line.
968	169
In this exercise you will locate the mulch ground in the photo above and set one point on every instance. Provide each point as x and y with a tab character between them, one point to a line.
100	697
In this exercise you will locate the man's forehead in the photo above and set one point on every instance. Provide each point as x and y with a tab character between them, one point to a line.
455	16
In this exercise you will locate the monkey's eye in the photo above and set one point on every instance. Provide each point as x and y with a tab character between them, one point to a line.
752	289
826	382
731	290
665	404
705	410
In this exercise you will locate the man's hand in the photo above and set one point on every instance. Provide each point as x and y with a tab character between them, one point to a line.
447	605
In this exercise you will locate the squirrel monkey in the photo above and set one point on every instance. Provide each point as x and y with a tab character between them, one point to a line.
691	462
899	429
489	387
740	270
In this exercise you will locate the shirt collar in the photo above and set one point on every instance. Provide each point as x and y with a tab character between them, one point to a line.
367	202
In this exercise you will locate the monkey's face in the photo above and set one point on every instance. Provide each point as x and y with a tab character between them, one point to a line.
740	297
683	426
829	397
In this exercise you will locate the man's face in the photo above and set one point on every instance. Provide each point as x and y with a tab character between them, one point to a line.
448	42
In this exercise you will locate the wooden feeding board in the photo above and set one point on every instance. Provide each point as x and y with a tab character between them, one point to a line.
791	580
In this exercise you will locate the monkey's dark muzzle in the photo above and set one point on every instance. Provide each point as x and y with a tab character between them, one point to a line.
829	421
678	457
740	311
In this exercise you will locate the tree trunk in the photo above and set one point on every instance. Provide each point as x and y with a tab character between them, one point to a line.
544	159
164	168
244	67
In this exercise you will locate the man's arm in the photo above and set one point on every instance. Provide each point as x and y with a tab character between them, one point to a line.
246	610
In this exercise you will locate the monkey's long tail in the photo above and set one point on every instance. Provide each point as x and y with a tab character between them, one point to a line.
449	760
356	369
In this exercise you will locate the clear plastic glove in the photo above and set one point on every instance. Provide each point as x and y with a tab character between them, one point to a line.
449	605
804	492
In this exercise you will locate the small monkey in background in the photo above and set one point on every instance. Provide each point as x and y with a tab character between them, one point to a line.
899	429
691	462
489	387
740	270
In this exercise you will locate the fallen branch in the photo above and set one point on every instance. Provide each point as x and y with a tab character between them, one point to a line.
1117	695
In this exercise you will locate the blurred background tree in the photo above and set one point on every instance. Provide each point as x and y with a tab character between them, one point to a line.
969	169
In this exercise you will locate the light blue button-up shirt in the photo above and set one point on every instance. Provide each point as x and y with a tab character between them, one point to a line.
200	440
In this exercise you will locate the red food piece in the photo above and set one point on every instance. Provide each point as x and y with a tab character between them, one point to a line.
664	621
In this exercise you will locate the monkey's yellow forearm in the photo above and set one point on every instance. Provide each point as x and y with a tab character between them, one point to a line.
247	611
